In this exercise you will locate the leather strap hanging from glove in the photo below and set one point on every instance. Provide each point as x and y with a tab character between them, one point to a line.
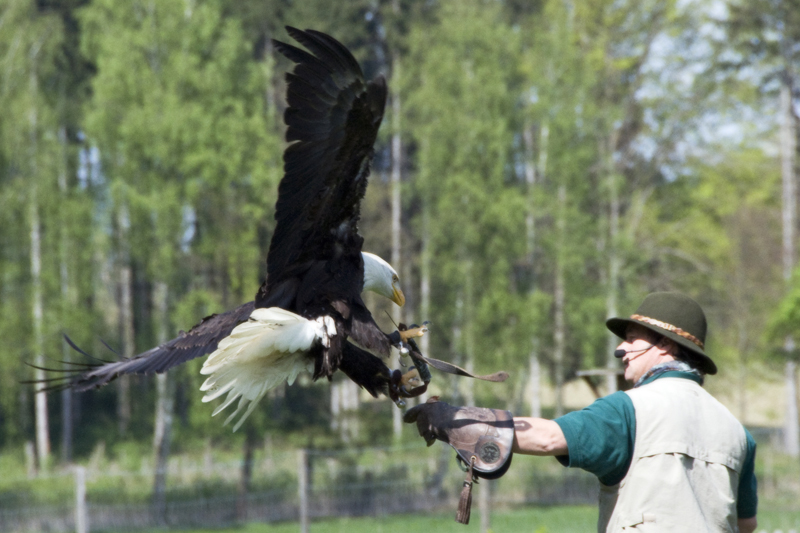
481	437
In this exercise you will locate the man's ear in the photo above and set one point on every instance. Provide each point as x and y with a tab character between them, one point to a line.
668	345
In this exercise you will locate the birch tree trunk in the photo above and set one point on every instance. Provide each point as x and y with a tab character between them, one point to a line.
126	322
397	164
455	347
534	366
67	300
469	333
614	261
344	409
559	334
350	402
165	402
42	422
791	429
336	406
425	279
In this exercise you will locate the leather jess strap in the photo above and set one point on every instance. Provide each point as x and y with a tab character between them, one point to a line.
444	366
450	368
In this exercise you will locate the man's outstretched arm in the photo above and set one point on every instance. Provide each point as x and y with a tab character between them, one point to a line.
538	436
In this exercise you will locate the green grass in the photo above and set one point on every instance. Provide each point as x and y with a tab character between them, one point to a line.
561	519
773	519
557	519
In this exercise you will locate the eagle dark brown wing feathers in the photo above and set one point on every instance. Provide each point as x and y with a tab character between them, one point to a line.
199	341
333	120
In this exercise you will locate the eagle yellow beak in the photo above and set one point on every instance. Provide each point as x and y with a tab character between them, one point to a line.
397	296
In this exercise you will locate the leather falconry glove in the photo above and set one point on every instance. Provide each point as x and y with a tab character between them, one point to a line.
481	437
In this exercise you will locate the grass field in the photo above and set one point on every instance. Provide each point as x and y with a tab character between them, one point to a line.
559	519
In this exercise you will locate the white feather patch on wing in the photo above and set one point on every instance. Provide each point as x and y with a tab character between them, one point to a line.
260	354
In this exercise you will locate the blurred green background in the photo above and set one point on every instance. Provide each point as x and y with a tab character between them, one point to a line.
549	162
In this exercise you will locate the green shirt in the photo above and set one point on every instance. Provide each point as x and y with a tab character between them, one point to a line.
600	440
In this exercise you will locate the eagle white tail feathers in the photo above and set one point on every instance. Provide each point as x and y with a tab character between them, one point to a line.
272	346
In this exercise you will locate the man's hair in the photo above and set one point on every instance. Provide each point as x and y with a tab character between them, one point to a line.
680	354
685	356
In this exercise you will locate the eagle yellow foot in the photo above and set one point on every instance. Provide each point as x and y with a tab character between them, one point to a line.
410	380
408	385
414	332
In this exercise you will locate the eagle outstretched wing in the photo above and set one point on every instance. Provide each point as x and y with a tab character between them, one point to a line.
199	341
332	120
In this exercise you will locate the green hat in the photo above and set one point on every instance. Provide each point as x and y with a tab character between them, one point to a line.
676	317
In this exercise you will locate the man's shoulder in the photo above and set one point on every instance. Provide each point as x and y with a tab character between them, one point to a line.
670	383
617	401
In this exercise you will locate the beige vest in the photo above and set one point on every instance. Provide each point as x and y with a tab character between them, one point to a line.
687	456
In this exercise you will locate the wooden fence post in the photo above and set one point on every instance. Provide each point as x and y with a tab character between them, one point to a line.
302	487
81	516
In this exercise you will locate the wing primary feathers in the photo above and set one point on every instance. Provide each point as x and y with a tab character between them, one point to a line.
74	346
82	352
112	350
46	380
46	370
338	48
320	45
201	340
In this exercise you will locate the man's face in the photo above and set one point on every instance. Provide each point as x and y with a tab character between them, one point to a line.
643	355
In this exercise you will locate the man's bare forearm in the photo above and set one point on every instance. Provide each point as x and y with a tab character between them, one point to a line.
747	525
538	436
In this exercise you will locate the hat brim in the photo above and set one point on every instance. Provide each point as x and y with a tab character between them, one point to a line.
619	327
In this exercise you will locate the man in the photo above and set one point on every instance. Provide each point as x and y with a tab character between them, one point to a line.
669	456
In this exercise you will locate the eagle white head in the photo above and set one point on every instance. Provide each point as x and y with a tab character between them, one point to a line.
381	278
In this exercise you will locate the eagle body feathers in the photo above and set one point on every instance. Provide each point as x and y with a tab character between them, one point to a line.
273	346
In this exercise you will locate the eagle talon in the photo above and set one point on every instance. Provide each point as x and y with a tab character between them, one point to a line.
410	380
408	385
412	333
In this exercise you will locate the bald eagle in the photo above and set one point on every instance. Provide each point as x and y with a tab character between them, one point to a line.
308	314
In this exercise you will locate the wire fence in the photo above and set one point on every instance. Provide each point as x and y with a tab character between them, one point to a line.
282	487
204	490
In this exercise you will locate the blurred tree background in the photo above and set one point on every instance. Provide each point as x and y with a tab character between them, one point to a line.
542	166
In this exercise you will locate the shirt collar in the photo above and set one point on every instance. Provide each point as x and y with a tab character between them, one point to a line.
670	369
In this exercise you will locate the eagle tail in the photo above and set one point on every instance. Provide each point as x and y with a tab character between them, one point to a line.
271	347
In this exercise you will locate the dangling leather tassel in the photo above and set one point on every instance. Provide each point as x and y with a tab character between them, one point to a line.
465	503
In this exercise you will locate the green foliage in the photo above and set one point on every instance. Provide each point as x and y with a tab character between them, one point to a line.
156	145
460	82
178	113
785	319
717	233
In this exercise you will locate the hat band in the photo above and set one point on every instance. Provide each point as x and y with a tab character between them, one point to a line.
669	327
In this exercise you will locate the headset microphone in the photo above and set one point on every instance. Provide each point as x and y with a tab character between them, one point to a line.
620	353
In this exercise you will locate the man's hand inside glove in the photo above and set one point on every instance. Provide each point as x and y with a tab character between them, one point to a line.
431	417
479	435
